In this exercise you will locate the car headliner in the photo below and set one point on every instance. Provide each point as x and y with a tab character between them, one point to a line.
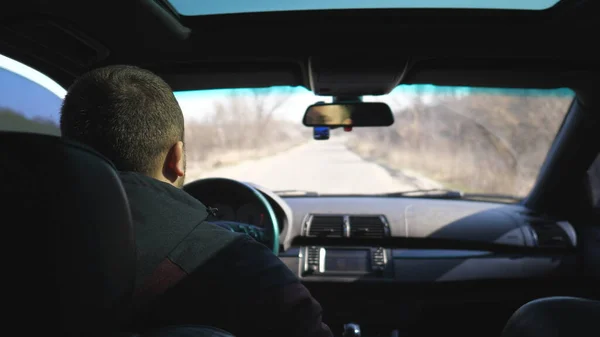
65	38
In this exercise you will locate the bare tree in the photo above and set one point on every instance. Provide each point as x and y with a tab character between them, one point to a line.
265	103
243	121
250	116
477	142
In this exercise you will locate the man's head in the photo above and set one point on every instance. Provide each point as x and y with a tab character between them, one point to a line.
336	114
131	116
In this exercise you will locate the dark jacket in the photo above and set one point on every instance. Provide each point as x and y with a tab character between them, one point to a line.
193	272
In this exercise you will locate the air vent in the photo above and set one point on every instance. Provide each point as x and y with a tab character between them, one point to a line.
326	226
550	234
367	227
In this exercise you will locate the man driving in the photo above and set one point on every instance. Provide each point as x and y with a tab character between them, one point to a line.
188	270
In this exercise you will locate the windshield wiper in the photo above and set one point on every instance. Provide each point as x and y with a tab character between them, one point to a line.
451	194
475	196
434	192
296	193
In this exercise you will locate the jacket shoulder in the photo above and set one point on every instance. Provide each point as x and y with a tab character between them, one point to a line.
203	243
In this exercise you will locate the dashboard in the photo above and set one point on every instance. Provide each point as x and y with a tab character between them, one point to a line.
410	288
414	288
230	200
416	218
248	213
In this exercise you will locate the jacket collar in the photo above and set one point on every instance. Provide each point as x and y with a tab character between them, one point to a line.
162	189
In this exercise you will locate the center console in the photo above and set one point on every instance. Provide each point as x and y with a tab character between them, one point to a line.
344	261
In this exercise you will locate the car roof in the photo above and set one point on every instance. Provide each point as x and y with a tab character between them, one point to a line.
370	50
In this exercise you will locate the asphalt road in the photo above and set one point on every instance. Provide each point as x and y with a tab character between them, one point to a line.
326	167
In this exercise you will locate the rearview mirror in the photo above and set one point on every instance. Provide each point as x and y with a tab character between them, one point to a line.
355	114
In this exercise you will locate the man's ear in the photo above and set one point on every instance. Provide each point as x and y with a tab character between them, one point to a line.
174	164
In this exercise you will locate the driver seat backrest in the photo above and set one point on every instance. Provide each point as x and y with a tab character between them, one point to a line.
68	236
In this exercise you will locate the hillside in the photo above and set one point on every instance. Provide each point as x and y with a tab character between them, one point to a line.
486	143
13	121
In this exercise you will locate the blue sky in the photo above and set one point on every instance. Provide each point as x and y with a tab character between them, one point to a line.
28	91
198	7
26	97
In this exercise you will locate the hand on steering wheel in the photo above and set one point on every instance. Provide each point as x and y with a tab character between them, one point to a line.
255	232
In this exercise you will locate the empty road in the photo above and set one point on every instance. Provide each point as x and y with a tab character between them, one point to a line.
326	167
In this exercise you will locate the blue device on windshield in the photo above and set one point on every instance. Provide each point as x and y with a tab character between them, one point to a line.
321	132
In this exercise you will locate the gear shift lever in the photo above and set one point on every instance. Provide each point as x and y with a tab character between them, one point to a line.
351	330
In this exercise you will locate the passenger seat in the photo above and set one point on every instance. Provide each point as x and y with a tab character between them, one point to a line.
555	317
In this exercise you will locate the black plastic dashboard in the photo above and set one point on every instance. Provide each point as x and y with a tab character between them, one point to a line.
431	218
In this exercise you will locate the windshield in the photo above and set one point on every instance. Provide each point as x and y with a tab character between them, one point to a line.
485	141
482	141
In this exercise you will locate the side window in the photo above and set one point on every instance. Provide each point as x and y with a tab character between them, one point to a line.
594	179
29	100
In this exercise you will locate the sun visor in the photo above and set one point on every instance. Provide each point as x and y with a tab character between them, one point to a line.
355	75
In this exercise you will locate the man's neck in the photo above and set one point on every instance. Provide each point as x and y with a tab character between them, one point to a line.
161	177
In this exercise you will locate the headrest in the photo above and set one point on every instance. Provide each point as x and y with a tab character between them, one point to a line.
555	316
68	227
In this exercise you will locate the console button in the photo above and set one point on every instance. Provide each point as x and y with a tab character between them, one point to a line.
351	330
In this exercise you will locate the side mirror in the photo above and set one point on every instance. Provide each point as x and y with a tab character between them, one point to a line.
355	114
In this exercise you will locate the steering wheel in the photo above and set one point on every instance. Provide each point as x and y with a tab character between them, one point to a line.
213	191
